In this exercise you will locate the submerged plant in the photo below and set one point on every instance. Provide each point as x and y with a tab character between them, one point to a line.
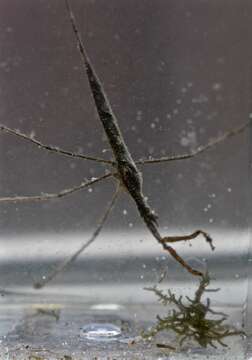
189	319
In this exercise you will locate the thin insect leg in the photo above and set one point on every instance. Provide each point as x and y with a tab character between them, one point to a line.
68	261
63	193
180	260
50	148
198	150
173	239
155	232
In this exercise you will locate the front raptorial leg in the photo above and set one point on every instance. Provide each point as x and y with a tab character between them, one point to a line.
173	239
180	260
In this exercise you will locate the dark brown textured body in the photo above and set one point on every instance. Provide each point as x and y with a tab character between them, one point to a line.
127	171
129	175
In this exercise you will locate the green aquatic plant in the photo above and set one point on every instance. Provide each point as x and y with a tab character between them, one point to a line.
190	320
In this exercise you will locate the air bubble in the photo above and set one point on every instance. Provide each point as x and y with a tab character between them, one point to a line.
101	332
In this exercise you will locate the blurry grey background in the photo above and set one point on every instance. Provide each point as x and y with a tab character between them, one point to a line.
176	72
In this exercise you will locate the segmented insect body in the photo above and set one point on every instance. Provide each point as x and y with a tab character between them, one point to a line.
128	173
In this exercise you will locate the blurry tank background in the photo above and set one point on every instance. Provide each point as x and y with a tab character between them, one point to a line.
177	74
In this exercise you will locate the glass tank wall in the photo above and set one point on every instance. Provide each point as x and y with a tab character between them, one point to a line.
177	75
